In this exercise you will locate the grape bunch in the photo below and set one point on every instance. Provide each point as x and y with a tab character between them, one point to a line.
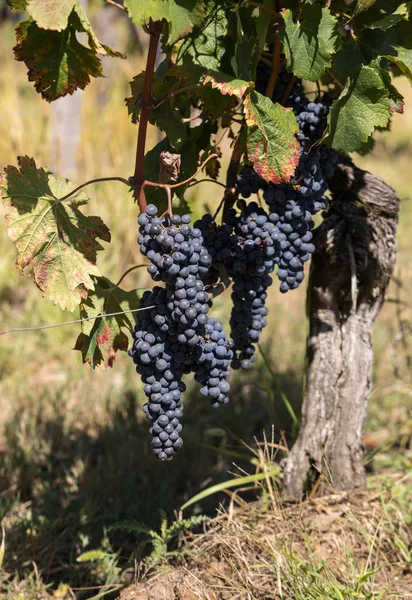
160	362
253	259
174	336
292	205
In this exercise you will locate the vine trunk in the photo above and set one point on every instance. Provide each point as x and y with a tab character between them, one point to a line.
351	268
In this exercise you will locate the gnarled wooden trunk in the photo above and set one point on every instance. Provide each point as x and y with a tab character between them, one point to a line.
351	268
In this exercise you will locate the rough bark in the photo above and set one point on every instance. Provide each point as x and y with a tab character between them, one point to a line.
351	268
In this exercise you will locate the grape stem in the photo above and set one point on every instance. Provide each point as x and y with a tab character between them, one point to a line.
129	183
188	180
169	210
208	181
99	179
113	3
219	288
129	271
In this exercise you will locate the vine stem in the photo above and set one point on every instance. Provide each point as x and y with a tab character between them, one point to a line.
188	180
274	71
129	271
142	197
288	89
99	179
231	194
155	30
113	3
186	88
208	181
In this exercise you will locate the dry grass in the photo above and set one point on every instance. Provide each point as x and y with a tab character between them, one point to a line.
335	546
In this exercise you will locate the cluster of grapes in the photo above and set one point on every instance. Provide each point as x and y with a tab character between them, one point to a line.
174	335
253	259
292	205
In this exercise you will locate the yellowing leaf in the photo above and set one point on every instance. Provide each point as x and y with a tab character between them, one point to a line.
272	146
54	238
51	14
227	84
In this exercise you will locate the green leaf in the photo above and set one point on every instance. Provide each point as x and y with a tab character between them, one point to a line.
58	64
133	102
53	237
310	43
362	106
51	14
94	43
383	15
211	47
375	49
397	47
181	15
251	24
103	337
272	146
17	6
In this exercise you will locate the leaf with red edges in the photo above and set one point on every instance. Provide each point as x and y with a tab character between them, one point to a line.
272	146
228	84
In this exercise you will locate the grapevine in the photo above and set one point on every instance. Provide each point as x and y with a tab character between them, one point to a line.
291	110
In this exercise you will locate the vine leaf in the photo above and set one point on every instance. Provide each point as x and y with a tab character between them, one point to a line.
51	14
181	15
54	238
362	5
309	43
94	43
227	84
363	105
57	62
272	146
17	6
209	48
102	337
383	15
